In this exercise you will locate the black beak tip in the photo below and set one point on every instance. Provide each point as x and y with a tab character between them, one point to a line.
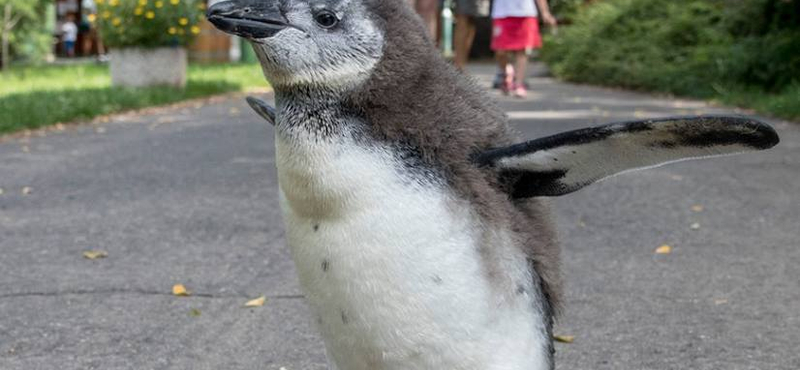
219	8
247	19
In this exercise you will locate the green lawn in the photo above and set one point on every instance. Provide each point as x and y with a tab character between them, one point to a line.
32	97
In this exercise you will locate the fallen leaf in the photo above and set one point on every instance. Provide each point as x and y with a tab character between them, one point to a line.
194	312
93	255
695	226
697	208
720	301
664	249
564	338
27	190
100	130
2	191
180	290
677	177
258	302
60	127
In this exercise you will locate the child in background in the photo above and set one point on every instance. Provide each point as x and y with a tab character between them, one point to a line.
515	33
70	35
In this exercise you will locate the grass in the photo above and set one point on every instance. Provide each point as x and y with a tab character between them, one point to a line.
32	97
785	104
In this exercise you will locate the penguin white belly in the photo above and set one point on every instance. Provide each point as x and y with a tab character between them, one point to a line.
392	267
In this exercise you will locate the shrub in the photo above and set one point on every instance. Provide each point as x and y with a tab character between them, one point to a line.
149	23
693	47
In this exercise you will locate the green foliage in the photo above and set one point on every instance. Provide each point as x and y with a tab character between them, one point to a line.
27	38
702	48
565	10
149	23
32	97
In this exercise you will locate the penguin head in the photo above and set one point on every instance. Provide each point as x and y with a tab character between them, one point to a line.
302	42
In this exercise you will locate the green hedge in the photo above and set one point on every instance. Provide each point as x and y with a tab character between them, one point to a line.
702	48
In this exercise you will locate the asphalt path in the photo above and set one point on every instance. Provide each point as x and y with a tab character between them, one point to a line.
188	195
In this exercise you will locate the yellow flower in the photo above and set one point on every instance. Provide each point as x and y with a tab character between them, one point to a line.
99	1
116	22
183	21
159	4
195	30
172	30
142	2
91	18
150	14
201	6
113	2
106	14
138	11
174	2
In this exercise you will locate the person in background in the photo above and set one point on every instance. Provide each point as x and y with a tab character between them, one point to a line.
466	13
515	33
428	10
70	35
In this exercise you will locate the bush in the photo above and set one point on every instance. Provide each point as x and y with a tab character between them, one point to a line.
695	47
29	39
149	23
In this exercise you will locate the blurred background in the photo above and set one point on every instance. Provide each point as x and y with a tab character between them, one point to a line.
744	53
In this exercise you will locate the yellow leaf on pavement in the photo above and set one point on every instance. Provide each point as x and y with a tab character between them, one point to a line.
697	208
664	249
564	338
180	290
27	190
93	255
258	302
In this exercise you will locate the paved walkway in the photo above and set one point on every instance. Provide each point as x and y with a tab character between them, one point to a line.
188	195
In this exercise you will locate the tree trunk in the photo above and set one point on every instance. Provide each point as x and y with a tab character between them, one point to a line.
6	30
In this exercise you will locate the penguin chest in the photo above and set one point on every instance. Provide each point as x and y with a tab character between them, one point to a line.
391	265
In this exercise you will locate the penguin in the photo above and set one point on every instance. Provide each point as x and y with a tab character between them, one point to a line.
417	221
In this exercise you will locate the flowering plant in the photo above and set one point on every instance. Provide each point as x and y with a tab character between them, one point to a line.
148	23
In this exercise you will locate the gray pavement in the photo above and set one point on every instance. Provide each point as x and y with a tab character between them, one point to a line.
188	195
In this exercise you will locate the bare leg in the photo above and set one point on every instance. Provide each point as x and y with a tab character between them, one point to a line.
521	59
507	70
464	35
502	60
429	11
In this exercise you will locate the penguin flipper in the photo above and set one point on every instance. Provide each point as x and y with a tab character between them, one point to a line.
263	109
566	162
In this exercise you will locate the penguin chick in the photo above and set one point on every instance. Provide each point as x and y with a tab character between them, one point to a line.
417	228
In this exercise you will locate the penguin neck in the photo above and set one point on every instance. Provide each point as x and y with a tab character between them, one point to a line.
318	110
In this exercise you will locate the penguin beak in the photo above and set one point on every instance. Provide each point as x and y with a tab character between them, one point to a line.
249	19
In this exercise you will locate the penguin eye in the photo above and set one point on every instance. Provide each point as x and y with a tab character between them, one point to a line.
326	19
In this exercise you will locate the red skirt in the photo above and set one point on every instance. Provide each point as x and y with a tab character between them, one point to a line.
515	34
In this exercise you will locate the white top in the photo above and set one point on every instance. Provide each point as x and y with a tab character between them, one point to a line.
514	8
70	31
